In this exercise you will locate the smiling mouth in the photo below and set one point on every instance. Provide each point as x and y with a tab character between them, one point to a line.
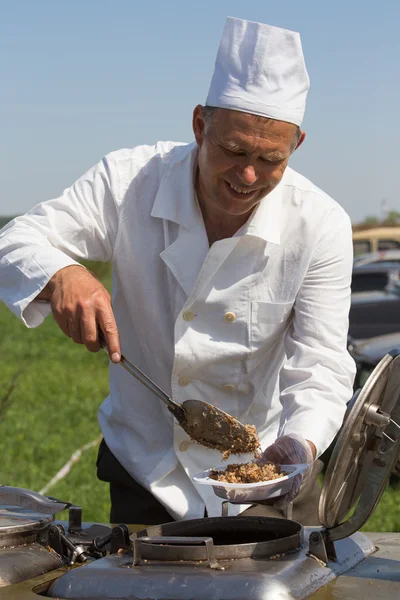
240	190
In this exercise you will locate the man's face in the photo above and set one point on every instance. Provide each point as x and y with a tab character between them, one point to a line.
241	159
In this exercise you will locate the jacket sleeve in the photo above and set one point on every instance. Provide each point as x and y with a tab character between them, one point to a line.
317	378
80	224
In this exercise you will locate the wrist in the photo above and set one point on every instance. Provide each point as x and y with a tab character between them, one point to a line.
54	282
313	448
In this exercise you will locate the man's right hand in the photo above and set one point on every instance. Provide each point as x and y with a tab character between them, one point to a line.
81	305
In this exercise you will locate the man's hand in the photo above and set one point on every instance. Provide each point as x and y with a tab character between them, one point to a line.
291	450
81	305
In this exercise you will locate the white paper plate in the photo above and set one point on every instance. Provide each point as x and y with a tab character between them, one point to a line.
251	492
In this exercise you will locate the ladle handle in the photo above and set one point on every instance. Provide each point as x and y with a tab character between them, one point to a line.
176	409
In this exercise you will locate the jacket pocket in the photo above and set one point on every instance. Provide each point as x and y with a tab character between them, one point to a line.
268	321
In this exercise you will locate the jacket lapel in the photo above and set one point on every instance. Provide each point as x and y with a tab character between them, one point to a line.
186	249
185	257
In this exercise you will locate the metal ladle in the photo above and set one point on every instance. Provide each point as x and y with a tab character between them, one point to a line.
204	423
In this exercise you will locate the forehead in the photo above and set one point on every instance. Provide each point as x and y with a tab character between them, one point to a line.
232	125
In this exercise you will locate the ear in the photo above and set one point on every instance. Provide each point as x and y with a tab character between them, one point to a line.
301	140
198	125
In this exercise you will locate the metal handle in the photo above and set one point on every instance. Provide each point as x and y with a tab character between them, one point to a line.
30	500
186	541
177	410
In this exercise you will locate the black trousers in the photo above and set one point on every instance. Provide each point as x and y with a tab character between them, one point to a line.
131	503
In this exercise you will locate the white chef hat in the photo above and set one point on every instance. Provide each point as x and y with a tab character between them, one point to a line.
260	69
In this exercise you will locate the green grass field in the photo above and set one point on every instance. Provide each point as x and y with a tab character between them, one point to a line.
52	411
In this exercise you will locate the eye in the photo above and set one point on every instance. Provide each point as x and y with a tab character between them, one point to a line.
267	161
233	152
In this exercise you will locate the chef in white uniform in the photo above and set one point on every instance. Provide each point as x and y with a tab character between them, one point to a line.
231	280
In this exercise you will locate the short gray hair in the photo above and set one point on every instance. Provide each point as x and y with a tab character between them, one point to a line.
208	113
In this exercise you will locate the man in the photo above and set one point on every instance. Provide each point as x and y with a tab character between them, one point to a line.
231	284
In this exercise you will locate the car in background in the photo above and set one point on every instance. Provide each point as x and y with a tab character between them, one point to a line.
384	258
368	353
375	276
374	313
376	239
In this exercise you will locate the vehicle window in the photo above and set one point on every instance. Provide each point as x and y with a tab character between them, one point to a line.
388	263
388	244
368	282
362	246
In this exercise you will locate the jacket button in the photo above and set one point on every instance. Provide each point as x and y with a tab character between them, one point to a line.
183	381
229	317
188	315
184	446
229	387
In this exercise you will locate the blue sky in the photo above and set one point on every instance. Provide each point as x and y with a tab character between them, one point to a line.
82	78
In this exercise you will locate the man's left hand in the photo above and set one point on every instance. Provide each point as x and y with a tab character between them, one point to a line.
291	450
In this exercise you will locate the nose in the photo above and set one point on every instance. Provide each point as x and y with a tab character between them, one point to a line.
247	174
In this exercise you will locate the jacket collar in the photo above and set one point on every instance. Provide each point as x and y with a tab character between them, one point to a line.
176	199
265	222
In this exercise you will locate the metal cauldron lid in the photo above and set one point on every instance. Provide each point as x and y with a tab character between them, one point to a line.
16	520
23	513
367	448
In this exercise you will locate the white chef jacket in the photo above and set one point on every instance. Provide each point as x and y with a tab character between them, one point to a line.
256	324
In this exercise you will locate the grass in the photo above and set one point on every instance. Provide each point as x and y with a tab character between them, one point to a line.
52	411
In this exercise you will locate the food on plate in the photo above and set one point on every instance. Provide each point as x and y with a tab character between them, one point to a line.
252	472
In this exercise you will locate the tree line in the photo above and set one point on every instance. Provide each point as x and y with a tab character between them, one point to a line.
5	220
392	220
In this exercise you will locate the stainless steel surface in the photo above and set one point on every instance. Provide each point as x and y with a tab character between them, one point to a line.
292	575
30	500
30	588
203	422
137	545
367	448
25	562
233	538
27	547
376	578
20	526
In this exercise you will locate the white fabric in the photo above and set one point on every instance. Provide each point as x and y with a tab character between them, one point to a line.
285	275
260	69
